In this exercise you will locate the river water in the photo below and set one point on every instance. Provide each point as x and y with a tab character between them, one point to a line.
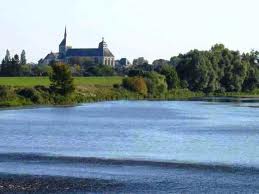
201	146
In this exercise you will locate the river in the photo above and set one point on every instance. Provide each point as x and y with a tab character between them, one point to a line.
201	146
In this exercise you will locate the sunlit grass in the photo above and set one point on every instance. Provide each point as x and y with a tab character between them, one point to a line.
44	81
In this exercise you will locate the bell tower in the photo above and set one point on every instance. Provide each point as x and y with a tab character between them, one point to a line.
63	45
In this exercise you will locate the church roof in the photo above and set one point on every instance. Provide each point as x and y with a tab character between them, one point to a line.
107	53
52	56
92	52
82	52
63	43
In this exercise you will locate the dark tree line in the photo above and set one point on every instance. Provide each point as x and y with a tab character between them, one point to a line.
218	70
17	66
13	66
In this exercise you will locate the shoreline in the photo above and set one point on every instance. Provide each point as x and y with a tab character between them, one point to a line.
202	98
13	183
40	96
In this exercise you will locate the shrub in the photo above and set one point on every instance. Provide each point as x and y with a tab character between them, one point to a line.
31	94
156	84
117	86
136	84
6	92
184	84
61	79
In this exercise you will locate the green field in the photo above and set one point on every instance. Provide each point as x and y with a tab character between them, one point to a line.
79	81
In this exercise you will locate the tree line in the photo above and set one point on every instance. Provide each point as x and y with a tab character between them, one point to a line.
216	70
17	65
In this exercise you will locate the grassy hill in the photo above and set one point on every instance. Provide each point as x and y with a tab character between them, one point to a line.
44	81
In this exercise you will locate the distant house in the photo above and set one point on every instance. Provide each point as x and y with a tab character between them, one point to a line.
101	55
50	57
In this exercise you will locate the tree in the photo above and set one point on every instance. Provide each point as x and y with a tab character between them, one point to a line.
160	63
5	63
26	70
15	67
140	61
7	58
156	83
195	68
252	77
11	67
100	70
218	69
41	70
136	84
23	58
172	79
61	80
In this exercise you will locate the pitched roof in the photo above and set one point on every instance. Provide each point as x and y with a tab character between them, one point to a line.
83	52
93	52
107	53
52	56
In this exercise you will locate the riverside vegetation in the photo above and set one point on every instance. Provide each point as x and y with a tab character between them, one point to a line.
217	72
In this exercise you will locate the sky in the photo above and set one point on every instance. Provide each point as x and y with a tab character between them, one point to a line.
153	29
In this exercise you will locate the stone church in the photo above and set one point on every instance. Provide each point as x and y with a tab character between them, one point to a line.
101	55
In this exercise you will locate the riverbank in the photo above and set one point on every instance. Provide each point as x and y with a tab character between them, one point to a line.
11	96
17	96
50	184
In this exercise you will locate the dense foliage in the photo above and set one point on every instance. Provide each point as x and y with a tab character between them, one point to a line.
136	84
150	83
156	84
61	80
218	70
171	75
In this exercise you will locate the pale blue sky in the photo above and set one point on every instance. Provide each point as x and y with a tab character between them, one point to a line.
132	28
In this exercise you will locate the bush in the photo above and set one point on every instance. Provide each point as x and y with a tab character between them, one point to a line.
184	84
117	86
136	84
61	79
156	84
6	92
30	93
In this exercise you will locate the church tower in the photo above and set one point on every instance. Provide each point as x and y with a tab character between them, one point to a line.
63	46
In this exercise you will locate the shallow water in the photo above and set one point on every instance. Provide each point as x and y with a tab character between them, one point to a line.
209	145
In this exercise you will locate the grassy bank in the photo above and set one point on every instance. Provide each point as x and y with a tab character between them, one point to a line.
40	95
35	91
44	81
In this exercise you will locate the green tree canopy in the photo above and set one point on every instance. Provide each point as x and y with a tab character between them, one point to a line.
156	83
171	75
23	58
218	69
61	79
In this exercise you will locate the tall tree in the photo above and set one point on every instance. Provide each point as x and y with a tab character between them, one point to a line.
61	79
7	57
6	62
23	58
15	68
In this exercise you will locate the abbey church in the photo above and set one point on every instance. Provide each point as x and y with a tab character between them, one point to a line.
101	55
